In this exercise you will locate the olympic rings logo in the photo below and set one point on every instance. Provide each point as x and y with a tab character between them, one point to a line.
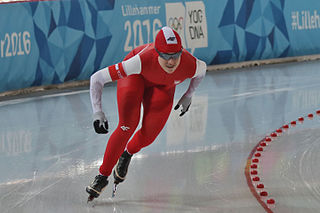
176	23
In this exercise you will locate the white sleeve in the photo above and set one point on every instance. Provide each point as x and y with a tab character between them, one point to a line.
197	78
101	77
97	82
201	68
132	65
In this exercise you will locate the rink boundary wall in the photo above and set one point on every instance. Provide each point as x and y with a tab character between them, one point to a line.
49	42
211	68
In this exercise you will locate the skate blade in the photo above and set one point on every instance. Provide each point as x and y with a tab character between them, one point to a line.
114	190
90	198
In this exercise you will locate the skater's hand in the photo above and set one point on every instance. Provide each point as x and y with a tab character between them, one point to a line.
100	123
185	102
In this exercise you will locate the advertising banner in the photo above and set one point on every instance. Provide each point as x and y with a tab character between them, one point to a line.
56	41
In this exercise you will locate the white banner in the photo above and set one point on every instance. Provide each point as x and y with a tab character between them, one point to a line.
196	25
190	22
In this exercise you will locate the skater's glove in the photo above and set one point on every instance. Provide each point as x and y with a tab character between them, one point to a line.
100	123
185	102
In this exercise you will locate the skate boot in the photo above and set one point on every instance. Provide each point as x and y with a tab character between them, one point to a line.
97	186
121	169
120	172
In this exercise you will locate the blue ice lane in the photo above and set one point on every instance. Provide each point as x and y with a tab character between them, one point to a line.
231	111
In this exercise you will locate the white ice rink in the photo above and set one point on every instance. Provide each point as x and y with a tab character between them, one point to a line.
201	162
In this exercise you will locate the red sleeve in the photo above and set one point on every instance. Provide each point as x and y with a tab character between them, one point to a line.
131	54
116	71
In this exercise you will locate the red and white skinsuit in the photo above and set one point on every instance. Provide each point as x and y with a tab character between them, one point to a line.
141	80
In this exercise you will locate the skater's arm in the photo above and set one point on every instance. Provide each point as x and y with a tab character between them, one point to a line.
97	82
108	74
197	78
185	100
103	76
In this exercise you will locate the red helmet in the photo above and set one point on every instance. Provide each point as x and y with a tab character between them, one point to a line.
168	41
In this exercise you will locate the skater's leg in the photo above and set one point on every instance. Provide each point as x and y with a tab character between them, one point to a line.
157	104
129	96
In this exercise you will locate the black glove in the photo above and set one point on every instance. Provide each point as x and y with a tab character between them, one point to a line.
185	102
100	123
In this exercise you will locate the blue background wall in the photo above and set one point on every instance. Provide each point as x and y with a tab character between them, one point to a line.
51	42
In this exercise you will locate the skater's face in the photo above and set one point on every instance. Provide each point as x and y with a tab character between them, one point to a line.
169	61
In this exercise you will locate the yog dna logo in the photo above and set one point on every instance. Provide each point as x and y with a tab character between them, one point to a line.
190	22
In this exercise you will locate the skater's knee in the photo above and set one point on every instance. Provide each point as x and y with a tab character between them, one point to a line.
142	141
148	135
